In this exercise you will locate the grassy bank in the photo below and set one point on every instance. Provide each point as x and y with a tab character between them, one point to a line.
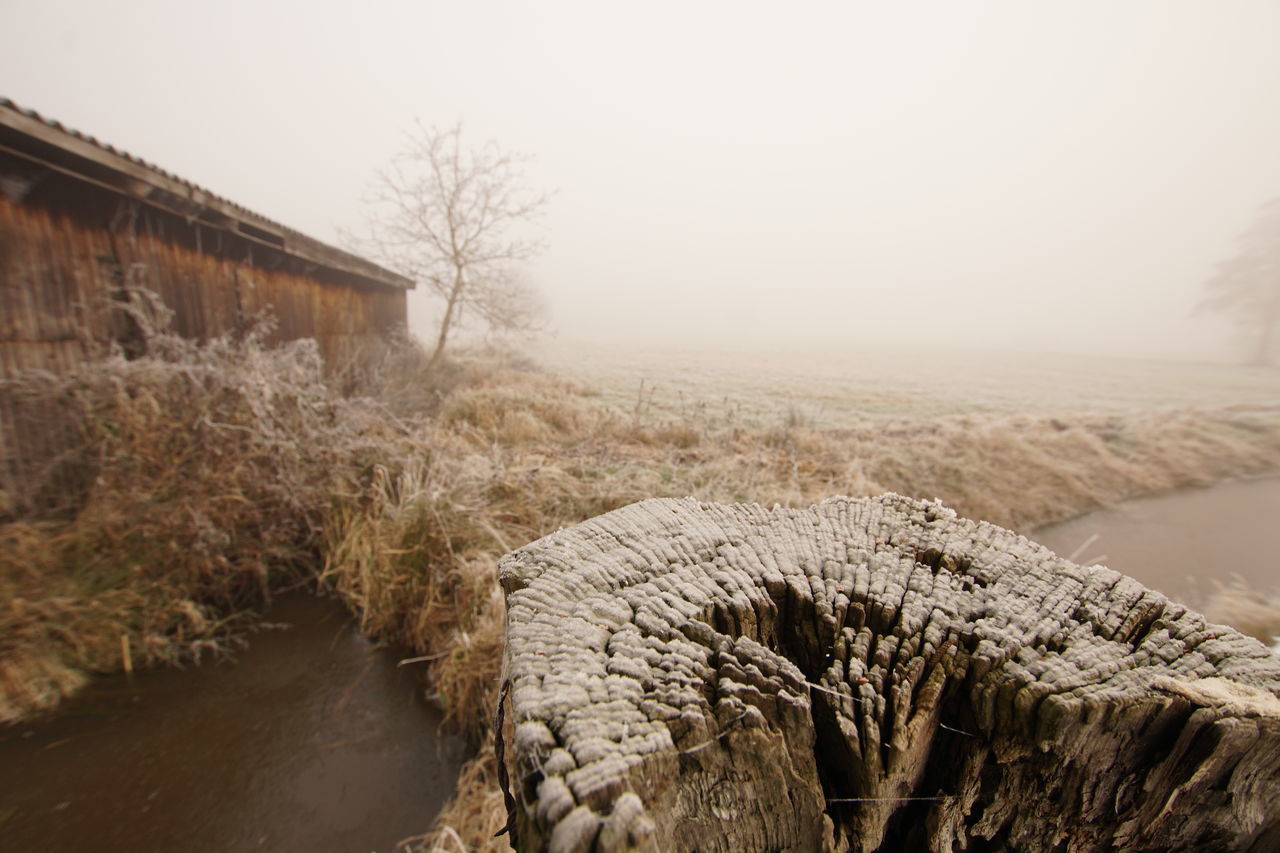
205	478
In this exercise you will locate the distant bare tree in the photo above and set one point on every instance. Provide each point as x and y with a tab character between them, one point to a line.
449	218
1247	285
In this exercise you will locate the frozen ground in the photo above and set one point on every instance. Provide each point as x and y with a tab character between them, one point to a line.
831	388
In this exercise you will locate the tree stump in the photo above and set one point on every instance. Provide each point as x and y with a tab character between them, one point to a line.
868	674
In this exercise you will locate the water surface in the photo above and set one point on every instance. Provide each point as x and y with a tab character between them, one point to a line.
312	740
1183	543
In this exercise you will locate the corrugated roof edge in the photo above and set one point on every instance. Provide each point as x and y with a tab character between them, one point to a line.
164	189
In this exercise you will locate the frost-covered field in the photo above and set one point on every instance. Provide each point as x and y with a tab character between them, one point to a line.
1173	543
828	388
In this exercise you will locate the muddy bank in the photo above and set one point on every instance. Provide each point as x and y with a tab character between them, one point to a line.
312	739
1184	543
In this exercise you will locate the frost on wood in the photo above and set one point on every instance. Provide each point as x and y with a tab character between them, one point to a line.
869	674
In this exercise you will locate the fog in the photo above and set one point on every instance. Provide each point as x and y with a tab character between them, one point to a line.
977	175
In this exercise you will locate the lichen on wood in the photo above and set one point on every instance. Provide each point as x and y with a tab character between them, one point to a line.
869	674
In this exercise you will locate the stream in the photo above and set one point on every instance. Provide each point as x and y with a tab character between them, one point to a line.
1182	543
313	738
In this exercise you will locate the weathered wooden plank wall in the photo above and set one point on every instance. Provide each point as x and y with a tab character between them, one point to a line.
58	275
44	284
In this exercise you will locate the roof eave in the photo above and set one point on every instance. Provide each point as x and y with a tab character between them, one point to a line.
150	184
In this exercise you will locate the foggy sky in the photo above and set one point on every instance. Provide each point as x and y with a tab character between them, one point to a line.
1050	176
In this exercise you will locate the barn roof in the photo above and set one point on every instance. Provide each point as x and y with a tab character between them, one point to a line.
47	142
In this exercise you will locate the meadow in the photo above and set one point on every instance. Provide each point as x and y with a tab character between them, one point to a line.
212	477
831	388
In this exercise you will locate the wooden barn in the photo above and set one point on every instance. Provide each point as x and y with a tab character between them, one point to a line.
83	224
91	236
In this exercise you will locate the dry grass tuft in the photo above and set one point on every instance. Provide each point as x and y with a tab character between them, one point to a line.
199	478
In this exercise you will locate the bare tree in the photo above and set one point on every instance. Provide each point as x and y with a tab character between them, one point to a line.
1247	285
451	218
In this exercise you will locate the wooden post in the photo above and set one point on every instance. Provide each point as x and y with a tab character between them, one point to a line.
872	674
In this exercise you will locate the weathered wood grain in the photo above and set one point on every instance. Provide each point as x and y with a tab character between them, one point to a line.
869	674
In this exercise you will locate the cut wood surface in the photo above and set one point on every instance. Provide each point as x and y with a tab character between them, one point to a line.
869	674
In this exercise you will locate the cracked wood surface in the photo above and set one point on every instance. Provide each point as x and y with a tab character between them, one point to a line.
869	674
